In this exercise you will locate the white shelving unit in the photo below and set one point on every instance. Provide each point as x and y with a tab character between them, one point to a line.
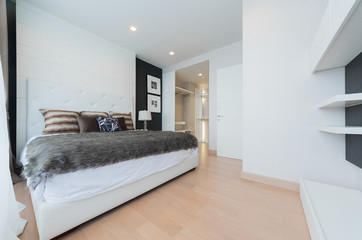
332	212
344	100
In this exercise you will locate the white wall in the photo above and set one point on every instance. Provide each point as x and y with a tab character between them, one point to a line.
53	50
219	58
280	94
168	101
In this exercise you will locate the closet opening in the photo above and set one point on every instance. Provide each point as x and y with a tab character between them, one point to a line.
192	100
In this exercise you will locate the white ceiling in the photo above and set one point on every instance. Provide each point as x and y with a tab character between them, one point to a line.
190	74
187	27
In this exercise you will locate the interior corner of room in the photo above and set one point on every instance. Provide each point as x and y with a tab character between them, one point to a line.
271	89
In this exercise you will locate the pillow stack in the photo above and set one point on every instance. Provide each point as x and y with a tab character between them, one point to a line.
62	121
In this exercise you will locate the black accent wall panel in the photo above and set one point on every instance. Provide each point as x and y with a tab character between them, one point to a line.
11	21
353	84
354	150
142	70
354	75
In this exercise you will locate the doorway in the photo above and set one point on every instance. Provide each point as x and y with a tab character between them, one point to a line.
192	100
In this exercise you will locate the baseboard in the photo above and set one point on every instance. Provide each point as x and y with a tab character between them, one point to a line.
212	152
293	186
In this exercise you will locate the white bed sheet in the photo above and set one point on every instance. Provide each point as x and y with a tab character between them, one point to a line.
87	183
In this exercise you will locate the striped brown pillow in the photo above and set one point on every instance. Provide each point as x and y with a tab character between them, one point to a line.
127	119
60	121
93	114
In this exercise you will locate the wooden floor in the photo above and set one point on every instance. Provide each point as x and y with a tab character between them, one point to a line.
211	202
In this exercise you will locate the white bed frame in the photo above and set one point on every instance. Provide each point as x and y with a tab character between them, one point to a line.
54	219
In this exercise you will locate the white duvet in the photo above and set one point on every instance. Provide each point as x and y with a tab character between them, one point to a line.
86	183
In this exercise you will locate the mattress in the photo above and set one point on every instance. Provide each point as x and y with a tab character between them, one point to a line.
87	183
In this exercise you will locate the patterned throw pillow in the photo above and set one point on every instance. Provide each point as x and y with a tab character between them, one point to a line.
108	124
127	118
60	121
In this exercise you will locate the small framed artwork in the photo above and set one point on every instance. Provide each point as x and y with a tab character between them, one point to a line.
154	103
153	85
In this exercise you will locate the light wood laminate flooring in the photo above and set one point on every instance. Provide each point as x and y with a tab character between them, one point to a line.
210	202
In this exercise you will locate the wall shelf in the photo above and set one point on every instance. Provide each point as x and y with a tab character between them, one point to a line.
342	130
343	100
180	123
184	131
182	91
338	39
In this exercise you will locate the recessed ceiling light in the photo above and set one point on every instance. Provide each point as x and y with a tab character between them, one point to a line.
200	74
171	53
133	28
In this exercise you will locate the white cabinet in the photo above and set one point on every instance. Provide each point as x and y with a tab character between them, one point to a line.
338	39
332	212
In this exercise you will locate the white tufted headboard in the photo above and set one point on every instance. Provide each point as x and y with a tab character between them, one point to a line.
41	94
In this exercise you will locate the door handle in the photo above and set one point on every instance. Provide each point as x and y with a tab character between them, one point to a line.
220	116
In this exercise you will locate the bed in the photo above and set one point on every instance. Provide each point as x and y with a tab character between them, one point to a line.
57	213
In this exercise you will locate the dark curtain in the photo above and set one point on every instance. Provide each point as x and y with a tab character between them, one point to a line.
4	52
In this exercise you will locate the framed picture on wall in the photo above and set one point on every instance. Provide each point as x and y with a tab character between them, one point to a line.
153	85
154	103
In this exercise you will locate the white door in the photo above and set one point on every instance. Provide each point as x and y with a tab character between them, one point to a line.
229	112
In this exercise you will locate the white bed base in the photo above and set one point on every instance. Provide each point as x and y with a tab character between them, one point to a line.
54	219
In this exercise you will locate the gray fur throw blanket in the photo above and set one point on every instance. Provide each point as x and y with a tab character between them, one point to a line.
59	154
